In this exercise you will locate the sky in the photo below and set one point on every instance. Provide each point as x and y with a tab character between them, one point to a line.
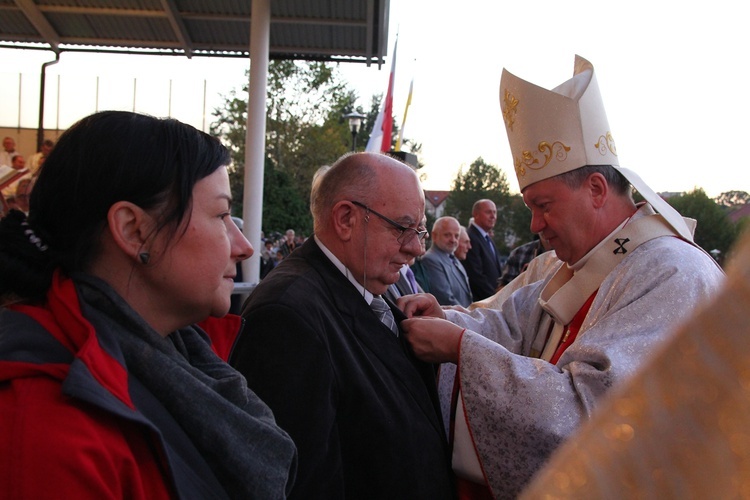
672	76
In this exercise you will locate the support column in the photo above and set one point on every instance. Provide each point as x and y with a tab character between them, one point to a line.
255	140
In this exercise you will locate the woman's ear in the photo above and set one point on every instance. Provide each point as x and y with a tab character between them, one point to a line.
130	227
343	219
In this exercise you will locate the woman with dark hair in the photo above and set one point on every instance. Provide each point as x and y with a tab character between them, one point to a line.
107	387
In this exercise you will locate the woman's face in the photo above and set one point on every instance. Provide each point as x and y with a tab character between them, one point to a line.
193	278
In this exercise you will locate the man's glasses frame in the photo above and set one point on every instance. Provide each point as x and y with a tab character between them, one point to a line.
406	232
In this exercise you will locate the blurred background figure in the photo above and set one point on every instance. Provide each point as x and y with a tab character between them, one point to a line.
37	159
417	266
448	281
483	262
519	258
288	245
464	245
8	151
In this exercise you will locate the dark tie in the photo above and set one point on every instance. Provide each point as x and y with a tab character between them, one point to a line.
412	280
384	313
490	243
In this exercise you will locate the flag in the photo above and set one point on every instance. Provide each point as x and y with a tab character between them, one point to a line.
380	137
403	122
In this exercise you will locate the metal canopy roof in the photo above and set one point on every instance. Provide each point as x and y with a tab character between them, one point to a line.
341	30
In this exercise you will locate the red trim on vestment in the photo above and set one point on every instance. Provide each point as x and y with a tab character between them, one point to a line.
571	332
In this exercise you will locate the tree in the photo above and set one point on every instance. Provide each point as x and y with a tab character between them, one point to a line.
482	180
283	207
714	231
304	131
519	221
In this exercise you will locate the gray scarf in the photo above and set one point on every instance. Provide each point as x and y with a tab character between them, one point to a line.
231	427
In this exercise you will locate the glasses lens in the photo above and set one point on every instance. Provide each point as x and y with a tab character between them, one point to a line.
409	235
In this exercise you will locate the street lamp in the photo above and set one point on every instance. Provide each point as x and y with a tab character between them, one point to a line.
355	120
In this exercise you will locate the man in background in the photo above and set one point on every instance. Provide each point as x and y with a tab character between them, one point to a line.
8	151
37	159
483	263
288	245
519	258
448	281
464	245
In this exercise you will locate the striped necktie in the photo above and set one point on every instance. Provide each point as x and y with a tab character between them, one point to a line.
384	313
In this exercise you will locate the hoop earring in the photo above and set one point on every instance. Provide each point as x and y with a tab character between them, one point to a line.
144	257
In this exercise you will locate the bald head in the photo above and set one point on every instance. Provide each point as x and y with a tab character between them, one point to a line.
363	177
367	210
445	233
484	213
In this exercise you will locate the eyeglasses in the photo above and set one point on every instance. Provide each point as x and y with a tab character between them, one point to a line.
407	234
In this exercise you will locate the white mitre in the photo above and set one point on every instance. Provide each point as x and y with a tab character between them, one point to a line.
555	131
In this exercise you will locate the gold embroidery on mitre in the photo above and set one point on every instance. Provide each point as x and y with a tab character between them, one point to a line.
606	142
557	149
509	109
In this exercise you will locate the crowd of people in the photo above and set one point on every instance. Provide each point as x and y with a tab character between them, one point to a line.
277	247
17	176
363	365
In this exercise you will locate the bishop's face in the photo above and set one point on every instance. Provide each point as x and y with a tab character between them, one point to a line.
563	216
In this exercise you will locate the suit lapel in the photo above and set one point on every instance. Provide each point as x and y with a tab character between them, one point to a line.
487	246
394	353
458	274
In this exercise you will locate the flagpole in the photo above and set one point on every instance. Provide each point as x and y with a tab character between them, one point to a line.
403	121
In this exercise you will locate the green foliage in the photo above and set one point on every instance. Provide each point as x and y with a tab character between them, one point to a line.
483	180
305	129
283	207
480	180
519	221
714	230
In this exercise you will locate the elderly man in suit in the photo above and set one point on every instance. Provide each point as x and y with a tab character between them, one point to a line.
483	263
323	351
448	281
464	245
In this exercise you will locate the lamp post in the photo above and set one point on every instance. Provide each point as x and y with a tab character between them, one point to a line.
355	120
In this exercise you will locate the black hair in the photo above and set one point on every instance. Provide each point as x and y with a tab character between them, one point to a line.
575	178
104	158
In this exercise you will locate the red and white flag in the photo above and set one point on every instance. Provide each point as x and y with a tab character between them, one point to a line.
380	137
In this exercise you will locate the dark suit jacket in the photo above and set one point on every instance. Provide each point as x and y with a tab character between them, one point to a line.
448	281
421	275
483	268
400	288
362	410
